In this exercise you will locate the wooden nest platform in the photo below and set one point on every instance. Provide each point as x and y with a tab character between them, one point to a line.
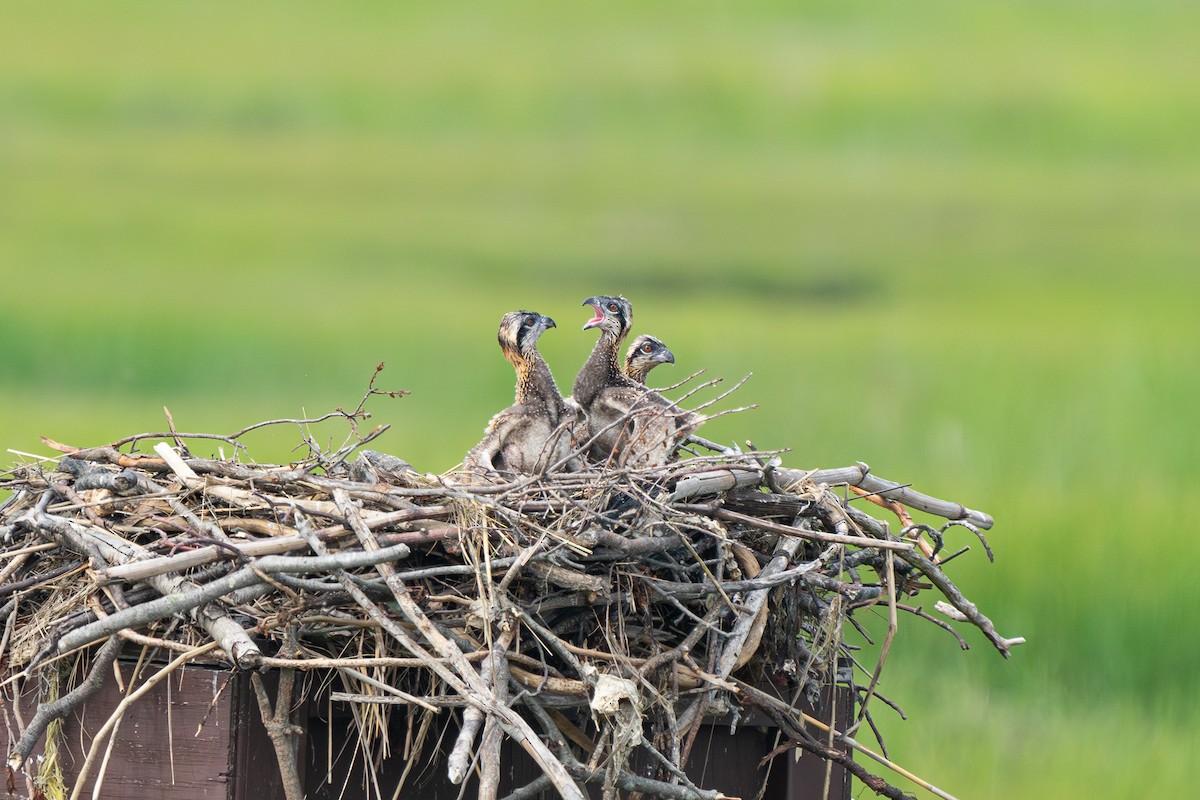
593	618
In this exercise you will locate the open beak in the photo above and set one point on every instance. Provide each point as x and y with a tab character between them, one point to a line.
596	320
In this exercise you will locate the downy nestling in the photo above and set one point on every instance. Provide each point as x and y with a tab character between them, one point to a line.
645	354
534	433
627	424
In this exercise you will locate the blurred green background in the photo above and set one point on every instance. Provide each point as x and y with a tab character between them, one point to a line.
956	241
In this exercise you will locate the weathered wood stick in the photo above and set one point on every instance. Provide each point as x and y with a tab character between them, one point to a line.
390	700
683	590
567	578
183	601
158	565
228	635
459	761
731	652
788	530
624	780
860	475
725	479
281	730
458	673
48	712
730	478
946	586
238	497
492	738
960	602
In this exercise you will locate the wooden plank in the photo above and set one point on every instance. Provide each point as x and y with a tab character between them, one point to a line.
199	738
172	744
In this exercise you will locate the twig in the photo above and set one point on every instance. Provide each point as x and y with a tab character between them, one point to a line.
786	530
469	684
185	601
227	633
48	712
281	729
860	475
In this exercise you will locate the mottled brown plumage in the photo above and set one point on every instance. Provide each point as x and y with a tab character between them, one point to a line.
628	424
645	354
534	433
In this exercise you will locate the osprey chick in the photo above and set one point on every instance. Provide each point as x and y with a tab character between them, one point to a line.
645	354
534	433
628	424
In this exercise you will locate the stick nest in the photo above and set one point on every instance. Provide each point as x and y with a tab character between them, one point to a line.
589	616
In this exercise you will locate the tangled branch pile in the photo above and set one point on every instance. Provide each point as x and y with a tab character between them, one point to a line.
588	616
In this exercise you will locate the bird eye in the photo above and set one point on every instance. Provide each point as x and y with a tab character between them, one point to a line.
612	307
646	349
529	322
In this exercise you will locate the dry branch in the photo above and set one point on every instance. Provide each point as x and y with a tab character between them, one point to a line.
72	700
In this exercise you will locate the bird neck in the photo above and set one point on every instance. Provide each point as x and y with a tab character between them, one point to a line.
602	367
534	379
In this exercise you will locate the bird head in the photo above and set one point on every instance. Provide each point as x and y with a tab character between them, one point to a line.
646	353
519	331
614	314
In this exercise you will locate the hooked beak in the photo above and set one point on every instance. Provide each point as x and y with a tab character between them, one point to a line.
596	320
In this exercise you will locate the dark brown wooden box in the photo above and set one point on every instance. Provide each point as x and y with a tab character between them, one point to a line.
202	738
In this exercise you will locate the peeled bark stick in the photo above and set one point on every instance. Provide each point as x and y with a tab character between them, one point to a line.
459	762
228	635
180	602
175	462
48	712
749	564
489	747
901	513
715	481
860	475
463	678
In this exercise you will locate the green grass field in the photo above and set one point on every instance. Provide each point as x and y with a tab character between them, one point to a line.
953	241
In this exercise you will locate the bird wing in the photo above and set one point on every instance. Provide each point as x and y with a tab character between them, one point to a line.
632	426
